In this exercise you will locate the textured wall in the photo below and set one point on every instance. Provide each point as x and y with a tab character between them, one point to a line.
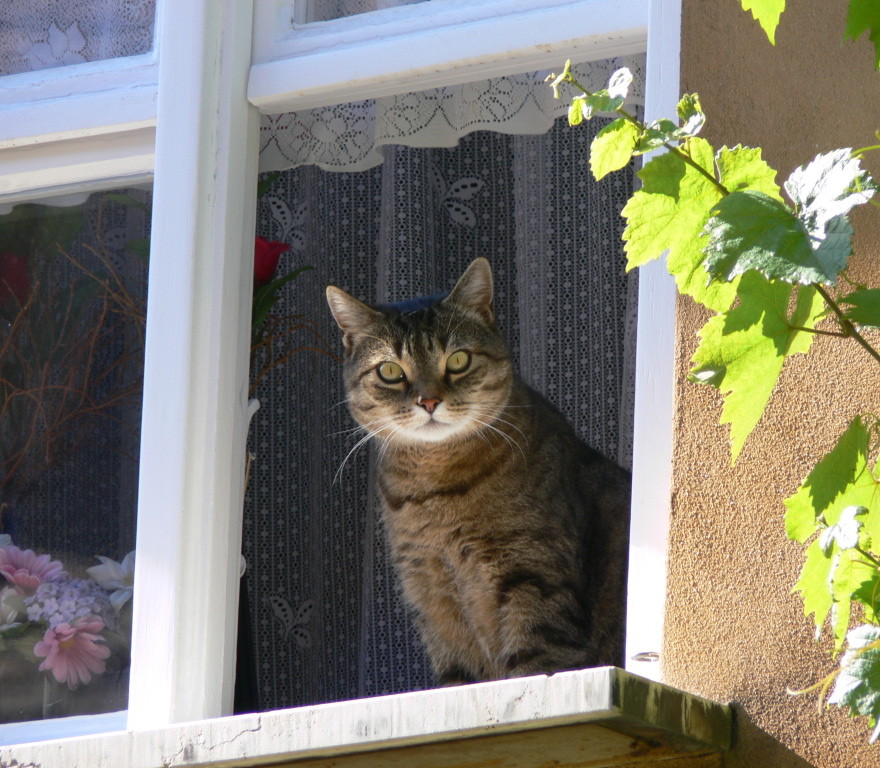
734	631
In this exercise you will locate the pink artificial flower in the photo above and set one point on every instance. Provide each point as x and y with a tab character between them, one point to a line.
72	651
26	571
266	255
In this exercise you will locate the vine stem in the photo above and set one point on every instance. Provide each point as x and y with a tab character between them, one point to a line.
846	324
670	147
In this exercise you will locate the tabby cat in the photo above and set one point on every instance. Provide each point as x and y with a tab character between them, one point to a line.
509	534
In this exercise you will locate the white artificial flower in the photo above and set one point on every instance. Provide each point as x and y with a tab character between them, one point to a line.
12	609
117	578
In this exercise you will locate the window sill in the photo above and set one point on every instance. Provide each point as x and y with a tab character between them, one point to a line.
602	716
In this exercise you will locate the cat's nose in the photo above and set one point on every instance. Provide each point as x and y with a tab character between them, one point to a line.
428	403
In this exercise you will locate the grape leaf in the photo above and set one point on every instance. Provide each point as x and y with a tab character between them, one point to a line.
691	115
857	686
842	478
864	16
863	306
828	187
742	351
750	230
828	583
766	13
613	147
845	532
831	480
619	82
668	213
664	131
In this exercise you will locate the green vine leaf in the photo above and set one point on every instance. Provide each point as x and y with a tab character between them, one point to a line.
864	16
845	532
766	13
668	213
828	583
750	230
812	244
672	207
838	480
862	307
742	351
613	147
690	112
828	188
839	489
857	686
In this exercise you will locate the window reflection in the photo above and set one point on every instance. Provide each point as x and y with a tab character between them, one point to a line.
72	322
43	34
306	11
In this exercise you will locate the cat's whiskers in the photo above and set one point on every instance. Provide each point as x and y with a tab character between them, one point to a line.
510	440
509	424
366	438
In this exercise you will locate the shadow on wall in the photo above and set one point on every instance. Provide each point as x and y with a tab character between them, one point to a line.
755	748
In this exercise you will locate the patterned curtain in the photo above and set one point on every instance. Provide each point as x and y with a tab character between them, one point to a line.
43	34
327	622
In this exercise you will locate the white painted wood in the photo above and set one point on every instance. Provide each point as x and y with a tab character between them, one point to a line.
195	383
99	161
652	439
77	128
78	100
434	44
423	717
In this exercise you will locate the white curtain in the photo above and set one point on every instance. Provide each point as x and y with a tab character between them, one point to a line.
326	618
41	34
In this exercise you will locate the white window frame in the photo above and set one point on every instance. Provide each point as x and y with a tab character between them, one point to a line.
104	124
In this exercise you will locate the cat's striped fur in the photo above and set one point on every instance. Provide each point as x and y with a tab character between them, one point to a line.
508	532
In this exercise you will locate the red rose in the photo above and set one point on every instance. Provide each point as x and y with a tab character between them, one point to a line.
15	280
266	255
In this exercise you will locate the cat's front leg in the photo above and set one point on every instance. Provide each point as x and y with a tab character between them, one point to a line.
545	628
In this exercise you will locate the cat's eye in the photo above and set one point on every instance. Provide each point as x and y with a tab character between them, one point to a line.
458	362
390	373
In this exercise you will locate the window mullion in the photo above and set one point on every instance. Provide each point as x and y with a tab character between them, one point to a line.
654	390
195	383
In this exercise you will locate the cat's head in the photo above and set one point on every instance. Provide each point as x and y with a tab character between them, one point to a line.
428	374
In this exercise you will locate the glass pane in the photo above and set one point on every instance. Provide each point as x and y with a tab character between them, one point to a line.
72	320
42	34
326	616
306	11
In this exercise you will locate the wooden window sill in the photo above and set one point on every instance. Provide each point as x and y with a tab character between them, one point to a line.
597	717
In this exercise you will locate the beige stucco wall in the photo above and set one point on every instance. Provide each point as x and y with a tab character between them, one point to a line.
734	631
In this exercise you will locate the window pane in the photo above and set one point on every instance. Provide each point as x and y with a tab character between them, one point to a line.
327	619
42	34
72	320
305	11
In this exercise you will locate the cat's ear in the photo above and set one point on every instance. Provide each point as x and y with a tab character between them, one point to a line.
352	316
473	290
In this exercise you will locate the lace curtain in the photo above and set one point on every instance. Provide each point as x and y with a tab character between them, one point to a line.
351	137
326	616
40	34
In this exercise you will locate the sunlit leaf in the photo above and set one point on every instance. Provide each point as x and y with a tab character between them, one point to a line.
742	351
833	480
613	147
766	13
750	230
857	686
